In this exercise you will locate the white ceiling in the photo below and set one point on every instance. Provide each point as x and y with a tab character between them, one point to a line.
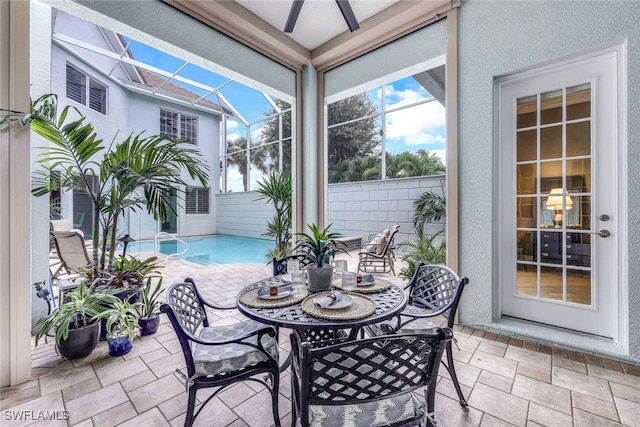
319	20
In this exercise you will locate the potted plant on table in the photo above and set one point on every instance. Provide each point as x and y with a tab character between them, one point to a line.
319	247
122	321
76	325
149	307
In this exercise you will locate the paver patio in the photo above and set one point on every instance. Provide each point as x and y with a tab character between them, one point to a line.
508	381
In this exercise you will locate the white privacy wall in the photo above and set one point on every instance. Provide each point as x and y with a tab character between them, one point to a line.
355	209
502	37
239	214
368	207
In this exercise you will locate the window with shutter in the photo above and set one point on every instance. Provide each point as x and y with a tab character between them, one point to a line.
177	125
76	85
97	96
78	90
196	200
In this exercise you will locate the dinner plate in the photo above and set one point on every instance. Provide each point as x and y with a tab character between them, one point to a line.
366	283
283	292
344	302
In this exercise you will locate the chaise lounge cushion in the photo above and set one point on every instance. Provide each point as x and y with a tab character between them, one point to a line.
215	360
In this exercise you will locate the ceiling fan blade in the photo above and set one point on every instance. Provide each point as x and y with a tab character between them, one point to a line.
348	14
293	15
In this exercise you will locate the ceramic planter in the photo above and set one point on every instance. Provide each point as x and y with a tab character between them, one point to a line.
80	342
320	278
119	344
149	326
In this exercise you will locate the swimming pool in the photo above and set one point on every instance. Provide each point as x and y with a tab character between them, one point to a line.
211	250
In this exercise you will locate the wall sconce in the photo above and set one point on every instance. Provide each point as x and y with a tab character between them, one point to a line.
556	202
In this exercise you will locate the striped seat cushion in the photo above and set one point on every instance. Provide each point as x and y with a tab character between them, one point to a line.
377	413
214	360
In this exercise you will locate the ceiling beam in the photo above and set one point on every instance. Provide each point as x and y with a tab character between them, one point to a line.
348	15
239	23
397	20
294	12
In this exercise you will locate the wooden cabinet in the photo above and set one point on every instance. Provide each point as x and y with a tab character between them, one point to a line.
578	246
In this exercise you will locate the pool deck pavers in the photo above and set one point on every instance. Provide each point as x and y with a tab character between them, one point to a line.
509	381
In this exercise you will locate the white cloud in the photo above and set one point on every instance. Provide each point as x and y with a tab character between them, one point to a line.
422	124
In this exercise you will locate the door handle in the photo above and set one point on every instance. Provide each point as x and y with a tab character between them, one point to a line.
603	233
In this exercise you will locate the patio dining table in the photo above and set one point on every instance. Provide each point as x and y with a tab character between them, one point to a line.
370	304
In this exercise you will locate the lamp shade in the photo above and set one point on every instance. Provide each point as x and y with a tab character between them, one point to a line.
554	202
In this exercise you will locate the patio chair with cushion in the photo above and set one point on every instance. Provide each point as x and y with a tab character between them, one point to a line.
219	356
434	290
378	253
366	382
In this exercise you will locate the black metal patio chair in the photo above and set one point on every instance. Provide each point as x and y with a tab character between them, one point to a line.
222	355
280	266
366	382
434	290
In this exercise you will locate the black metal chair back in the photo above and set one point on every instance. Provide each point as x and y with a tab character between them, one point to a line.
360	377
280	265
219	356
438	288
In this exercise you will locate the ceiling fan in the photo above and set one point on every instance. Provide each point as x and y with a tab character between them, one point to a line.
344	6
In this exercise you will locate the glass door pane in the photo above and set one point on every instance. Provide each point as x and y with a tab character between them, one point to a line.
553	196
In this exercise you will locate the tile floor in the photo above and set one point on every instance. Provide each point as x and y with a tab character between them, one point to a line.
508	381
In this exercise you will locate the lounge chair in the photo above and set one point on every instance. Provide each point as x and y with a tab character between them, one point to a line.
71	251
377	254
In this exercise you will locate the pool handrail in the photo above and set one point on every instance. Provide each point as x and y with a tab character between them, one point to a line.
155	244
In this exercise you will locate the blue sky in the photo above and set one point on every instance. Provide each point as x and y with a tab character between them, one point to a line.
419	127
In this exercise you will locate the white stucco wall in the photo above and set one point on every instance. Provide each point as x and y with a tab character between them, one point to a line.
502	37
131	113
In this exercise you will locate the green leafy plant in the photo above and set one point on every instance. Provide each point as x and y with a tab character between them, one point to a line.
423	249
150	299
318	245
277	188
81	309
121	317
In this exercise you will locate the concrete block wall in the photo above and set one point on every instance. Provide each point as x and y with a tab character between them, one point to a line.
355	209
368	207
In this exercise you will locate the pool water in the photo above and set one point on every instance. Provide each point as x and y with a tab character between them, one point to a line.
211	250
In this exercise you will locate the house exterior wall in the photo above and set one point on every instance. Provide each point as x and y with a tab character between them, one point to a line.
145	116
502	37
131	113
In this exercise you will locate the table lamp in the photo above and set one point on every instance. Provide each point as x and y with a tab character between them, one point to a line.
556	201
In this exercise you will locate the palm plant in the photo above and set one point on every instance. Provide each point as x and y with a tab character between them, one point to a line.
319	245
428	207
277	188
423	249
138	173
